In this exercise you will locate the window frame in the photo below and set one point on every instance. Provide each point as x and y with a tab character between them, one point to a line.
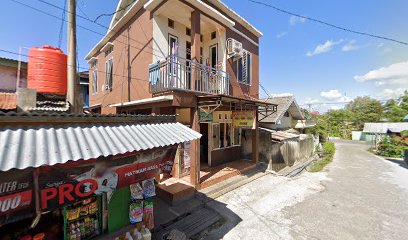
94	81
248	80
109	75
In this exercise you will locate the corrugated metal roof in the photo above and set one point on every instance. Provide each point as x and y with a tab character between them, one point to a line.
22	147
8	100
284	103
382	128
280	135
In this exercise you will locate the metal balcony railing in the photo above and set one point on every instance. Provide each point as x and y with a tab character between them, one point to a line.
179	73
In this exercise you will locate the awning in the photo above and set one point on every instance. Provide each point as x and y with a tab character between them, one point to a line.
29	146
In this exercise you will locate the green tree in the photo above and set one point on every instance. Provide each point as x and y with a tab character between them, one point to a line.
365	109
396	110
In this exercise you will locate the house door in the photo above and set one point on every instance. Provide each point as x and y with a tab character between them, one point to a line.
188	65
173	45
213	55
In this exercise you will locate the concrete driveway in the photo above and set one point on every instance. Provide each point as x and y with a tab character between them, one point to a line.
358	196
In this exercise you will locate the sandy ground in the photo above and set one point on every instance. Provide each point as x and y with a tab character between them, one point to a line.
359	196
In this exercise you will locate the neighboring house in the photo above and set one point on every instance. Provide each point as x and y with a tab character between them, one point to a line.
84	87
8	82
288	115
375	132
197	59
8	74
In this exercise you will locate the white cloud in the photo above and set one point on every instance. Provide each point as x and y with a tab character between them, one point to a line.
323	48
394	74
391	93
310	100
336	107
293	20
331	94
282	95
281	35
384	48
350	46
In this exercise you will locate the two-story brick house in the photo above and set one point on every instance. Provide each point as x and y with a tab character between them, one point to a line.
195	58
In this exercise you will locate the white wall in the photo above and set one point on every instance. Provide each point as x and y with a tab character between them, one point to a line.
161	32
160	37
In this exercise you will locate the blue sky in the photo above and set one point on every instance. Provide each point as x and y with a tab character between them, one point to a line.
314	62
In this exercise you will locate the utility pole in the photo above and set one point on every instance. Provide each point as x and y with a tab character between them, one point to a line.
73	86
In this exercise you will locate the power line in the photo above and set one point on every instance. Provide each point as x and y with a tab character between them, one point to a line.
95	32
61	31
328	24
113	13
85	28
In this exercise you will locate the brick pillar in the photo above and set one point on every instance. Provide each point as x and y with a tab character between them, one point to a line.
255	140
195	46
195	151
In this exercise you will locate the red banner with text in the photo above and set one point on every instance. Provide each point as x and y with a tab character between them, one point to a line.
64	184
16	195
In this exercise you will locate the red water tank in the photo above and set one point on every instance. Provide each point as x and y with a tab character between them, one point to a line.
47	70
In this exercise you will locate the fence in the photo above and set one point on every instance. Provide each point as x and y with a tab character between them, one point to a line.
179	73
279	155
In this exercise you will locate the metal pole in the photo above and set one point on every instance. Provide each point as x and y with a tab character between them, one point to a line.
18	69
72	77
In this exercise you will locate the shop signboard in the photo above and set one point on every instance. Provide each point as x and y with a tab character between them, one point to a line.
64	184
206	117
243	119
16	195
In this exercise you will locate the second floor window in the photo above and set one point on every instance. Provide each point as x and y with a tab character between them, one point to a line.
94	81
109	74
244	68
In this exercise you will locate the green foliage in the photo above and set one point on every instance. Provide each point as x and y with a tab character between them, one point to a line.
328	153
340	123
365	109
396	110
329	149
393	147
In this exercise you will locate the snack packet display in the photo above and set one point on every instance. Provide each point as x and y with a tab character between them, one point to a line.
136	212
149	190
136	192
73	214
93	208
148	214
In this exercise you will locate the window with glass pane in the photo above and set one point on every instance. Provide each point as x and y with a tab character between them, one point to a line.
216	135
228	142
109	75
237	136
95	81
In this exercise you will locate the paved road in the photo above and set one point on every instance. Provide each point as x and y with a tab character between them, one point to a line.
358	196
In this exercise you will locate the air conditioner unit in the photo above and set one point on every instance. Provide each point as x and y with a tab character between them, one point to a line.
234	48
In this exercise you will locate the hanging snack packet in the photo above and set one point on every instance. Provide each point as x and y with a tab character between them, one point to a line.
148	214
136	212
136	192
149	189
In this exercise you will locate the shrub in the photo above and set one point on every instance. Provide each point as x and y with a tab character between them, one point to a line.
392	147
328	148
328	152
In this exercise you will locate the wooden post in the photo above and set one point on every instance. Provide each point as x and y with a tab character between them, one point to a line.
195	49
255	140
195	151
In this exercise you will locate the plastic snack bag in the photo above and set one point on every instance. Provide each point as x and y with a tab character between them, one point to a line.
136	192
136	212
149	190
148	214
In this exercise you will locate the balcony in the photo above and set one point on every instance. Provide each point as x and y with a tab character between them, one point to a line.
176	73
